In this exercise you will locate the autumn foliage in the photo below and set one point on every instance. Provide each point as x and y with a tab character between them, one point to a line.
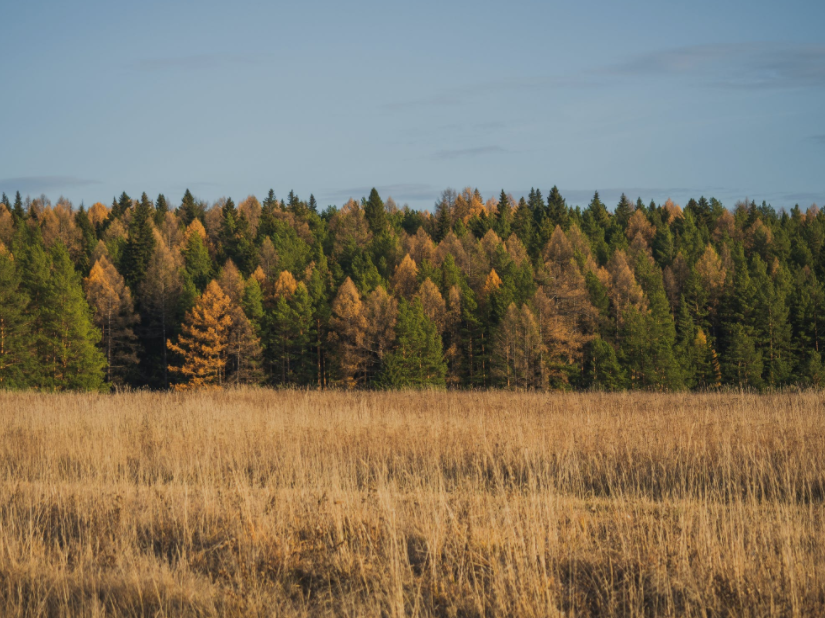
522	292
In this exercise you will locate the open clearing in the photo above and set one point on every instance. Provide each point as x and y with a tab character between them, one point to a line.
256	502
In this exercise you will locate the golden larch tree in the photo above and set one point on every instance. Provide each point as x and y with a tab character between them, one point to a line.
243	347
348	330
405	279
433	304
114	314
202	344
285	285
380	314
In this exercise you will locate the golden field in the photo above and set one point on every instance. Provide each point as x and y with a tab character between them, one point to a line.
294	503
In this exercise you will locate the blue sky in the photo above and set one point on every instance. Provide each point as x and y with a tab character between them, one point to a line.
657	99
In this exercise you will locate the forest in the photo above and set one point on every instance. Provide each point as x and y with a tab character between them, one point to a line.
521	294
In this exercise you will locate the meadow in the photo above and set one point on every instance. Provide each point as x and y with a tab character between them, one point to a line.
302	503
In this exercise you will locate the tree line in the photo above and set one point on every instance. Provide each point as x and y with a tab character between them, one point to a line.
530	293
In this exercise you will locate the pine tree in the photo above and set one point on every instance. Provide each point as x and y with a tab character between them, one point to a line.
375	213
196	256
523	227
160	296
443	222
772	328
660	368
161	208
743	362
63	338
188	211
139	244
319	289
203	342
557	212
417	360
114	315
623	212
88	240
504	216
601	367
15	352
17	210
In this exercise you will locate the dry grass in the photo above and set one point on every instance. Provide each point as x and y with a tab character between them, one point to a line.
383	504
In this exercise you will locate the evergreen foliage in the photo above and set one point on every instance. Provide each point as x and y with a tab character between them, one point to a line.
519	293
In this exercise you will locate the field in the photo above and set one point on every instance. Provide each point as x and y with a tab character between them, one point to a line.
255	502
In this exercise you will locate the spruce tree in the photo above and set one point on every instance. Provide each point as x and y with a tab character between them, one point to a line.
15	350
88	240
443	222
523	227
624	209
63	337
17	210
160	297
504	216
743	362
601	367
161	208
121	206
417	360
772	329
557	212
188	210
140	243
375	213
196	258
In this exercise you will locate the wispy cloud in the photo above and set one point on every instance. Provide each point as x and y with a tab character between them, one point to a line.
819	139
755	65
44	184
737	66
194	62
468	152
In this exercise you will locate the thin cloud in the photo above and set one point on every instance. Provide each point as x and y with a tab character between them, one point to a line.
819	139
744	66
44	184
735	66
468	152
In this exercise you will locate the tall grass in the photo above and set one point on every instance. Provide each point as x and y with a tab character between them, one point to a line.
255	502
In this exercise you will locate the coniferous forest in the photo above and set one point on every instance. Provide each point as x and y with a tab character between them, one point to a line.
531	294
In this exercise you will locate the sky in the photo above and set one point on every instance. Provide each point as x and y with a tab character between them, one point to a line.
656	99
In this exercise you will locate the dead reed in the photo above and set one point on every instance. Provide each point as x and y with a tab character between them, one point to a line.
256	502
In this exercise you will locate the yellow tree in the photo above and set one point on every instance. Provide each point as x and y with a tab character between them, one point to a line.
348	332
405	279
114	315
202	344
433	304
243	346
380	313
